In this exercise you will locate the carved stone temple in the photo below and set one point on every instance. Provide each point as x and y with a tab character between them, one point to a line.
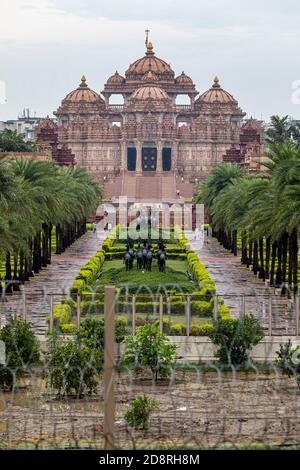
149	146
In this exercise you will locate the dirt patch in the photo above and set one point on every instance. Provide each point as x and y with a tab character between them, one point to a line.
195	408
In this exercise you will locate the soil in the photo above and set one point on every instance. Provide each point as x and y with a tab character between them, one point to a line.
203	409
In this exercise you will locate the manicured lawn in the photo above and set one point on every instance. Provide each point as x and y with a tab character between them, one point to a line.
175	274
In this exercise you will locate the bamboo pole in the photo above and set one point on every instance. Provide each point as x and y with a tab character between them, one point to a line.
109	363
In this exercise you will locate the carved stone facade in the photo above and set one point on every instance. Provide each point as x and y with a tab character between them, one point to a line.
149	134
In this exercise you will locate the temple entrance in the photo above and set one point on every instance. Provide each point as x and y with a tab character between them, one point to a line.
131	158
149	158
167	159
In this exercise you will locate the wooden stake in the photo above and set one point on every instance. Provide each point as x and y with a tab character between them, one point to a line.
161	314
133	316
109	364
188	315
51	326
270	315
297	314
216	310
78	311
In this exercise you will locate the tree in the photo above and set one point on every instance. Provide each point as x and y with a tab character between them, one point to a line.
139	412
22	351
12	141
36	196
281	130
149	349
235	338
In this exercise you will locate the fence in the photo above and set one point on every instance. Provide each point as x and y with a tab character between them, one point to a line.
279	316
199	404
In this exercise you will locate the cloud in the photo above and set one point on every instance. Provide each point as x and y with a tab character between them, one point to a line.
48	44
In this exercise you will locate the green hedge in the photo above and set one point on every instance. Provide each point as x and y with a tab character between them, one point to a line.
88	272
195	330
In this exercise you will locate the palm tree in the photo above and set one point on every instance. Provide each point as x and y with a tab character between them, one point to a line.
35	196
281	130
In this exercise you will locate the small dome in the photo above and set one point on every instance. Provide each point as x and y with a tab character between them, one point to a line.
82	94
116	79
150	92
216	94
183	79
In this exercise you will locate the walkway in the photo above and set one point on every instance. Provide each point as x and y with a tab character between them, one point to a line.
235	282
57	279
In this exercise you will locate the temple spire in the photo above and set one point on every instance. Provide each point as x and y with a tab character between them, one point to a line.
147	31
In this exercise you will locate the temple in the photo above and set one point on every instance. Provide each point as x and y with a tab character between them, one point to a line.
148	146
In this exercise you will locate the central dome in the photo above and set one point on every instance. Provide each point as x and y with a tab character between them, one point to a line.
150	92
149	63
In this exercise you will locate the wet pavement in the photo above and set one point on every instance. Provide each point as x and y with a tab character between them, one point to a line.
56	279
238	285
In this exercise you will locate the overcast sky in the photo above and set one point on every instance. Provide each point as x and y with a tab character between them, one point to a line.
253	46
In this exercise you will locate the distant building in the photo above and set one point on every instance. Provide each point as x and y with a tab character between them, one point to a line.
25	125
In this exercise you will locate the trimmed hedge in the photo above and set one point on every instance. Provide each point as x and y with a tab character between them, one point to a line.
179	329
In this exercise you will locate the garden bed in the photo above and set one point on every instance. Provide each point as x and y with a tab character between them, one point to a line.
198	408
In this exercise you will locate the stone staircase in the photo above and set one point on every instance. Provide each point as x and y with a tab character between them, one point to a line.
149	186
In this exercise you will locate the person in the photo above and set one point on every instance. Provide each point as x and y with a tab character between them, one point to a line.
94	227
178	193
109	226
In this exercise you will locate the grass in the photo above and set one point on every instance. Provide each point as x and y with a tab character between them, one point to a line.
175	276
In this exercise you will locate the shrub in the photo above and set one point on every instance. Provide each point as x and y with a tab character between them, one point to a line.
149	349
22	351
68	328
235	338
166	325
77	286
178	329
288	359
201	330
92	307
201	308
139	413
62	314
72	369
223	311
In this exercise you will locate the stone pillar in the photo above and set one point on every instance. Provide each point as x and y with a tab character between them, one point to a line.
138	157
174	157
123	156
159	165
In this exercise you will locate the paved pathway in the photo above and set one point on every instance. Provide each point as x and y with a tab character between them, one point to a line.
234	281
57	278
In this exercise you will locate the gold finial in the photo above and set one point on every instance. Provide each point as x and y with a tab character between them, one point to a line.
150	48
216	81
83	82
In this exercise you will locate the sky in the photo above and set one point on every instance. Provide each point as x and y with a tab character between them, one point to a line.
253	46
